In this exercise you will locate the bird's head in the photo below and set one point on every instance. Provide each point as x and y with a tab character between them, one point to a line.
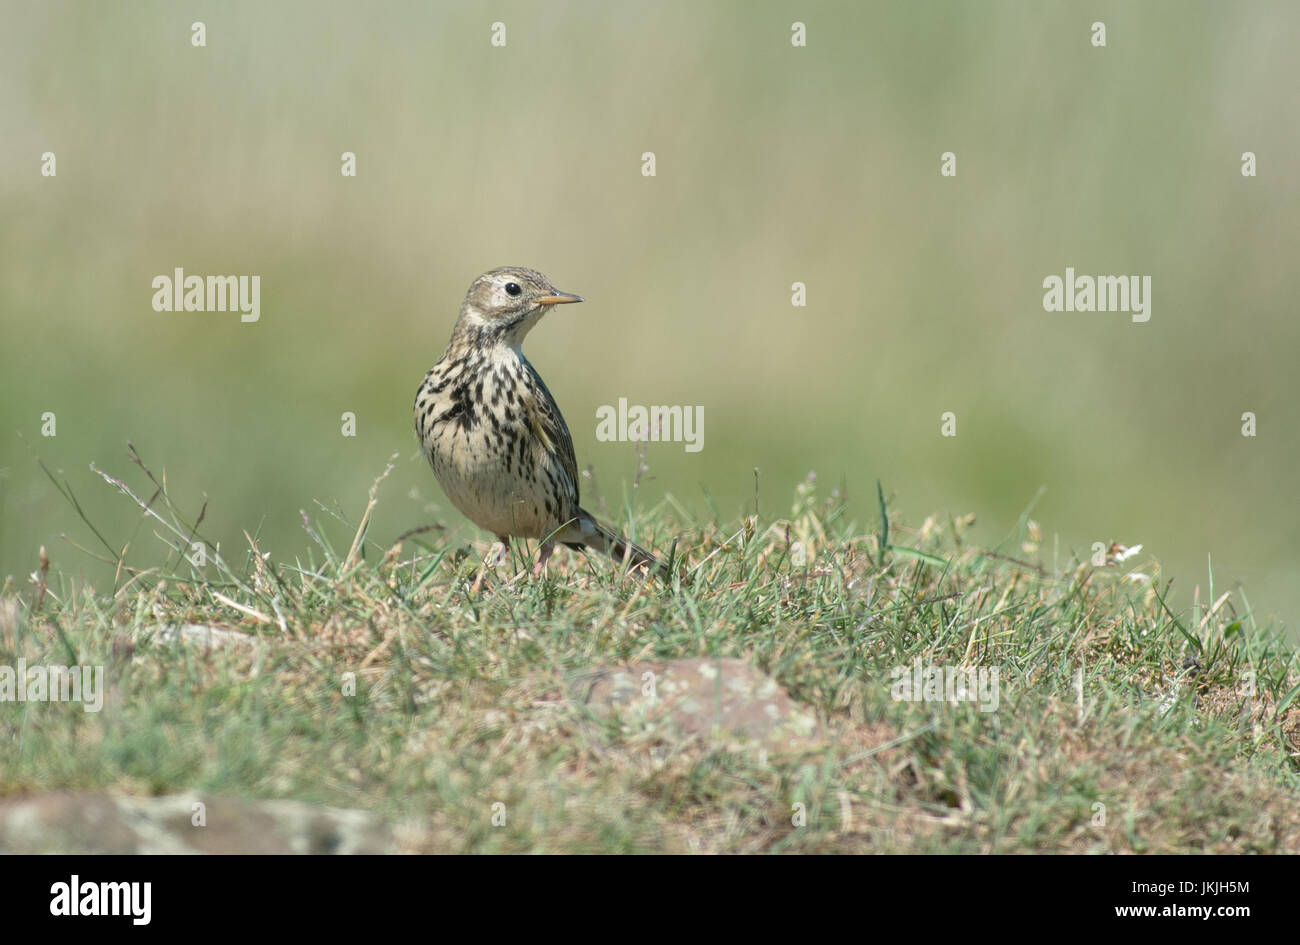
503	304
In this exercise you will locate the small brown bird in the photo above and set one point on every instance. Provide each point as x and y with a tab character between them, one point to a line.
493	433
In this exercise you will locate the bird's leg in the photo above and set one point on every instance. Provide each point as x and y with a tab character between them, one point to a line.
543	555
495	556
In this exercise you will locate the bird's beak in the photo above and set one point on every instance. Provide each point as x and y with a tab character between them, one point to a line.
559	298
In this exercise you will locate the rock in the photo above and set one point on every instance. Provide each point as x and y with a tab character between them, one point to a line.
718	700
83	823
203	637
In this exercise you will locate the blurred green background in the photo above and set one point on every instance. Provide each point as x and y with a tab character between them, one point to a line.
775	164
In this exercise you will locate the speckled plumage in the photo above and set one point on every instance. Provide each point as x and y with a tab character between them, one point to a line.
493	433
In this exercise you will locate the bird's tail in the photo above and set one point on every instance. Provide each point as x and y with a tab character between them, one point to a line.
586	531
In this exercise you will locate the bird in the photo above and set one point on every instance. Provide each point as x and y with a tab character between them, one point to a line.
494	435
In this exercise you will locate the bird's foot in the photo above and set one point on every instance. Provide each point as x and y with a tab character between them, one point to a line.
495	557
543	555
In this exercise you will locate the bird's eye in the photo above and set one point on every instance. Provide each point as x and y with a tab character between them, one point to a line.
512	288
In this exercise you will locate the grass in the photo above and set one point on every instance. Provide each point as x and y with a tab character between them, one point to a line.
374	679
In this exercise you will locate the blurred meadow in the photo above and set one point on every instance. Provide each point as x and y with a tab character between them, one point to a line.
775	164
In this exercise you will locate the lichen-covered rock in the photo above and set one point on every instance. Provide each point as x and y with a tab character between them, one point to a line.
720	701
106	823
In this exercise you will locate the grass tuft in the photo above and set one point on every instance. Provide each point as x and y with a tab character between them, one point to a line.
371	676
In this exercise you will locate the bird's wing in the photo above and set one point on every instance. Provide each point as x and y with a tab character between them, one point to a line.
547	425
